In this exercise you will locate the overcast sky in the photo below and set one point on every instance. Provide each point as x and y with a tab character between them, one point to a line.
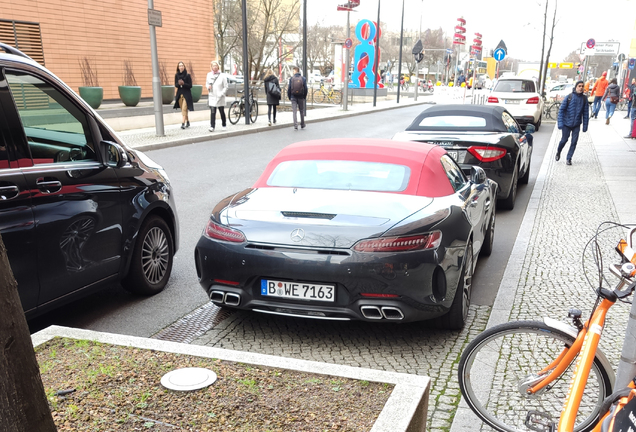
518	22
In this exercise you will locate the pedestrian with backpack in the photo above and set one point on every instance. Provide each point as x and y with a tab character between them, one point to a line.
273	93
297	93
572	113
611	97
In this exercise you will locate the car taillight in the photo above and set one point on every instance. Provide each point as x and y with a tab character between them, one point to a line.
533	100
487	154
492	99
400	244
219	232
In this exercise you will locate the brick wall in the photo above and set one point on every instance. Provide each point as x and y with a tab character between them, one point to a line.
107	32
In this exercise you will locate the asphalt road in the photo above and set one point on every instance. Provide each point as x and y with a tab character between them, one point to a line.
204	173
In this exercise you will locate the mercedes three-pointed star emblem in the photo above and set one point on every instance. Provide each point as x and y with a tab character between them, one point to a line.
297	235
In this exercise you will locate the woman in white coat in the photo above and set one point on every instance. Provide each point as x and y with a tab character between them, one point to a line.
216	82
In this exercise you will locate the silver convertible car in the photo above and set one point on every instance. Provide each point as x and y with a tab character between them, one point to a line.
341	229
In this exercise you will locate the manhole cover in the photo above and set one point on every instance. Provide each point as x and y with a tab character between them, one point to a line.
187	379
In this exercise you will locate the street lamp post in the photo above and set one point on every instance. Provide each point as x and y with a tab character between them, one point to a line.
377	55
156	82
246	77
400	56
347	7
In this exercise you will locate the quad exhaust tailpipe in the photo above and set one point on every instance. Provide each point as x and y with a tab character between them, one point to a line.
382	312
227	298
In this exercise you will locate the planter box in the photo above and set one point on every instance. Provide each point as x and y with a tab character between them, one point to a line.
92	96
130	95
405	410
167	94
197	90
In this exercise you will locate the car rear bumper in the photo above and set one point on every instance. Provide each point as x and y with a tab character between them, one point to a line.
414	284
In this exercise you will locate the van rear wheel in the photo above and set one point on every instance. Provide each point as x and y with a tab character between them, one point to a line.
151	262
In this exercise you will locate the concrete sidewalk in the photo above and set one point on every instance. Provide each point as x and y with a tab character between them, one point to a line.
544	276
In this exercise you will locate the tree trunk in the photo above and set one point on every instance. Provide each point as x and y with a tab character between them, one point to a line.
23	403
545	23
547	58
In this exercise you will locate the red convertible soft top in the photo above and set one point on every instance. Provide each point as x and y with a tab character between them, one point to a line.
428	177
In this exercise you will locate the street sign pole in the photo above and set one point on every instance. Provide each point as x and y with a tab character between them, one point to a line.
156	82
345	103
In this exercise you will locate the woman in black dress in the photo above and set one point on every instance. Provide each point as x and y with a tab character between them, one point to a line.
183	100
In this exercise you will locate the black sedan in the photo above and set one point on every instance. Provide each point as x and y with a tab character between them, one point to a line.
477	135
352	229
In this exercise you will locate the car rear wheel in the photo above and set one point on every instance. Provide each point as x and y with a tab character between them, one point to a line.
486	248
457	316
509	202
537	124
152	257
526	176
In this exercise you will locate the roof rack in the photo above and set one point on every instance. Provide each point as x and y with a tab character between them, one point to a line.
11	50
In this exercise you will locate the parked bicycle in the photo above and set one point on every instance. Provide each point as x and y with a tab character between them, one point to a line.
551	108
237	108
331	95
518	376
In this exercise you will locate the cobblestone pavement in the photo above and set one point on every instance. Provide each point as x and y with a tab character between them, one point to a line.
574	200
409	348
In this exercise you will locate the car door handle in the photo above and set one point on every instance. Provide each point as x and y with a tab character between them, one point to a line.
8	192
48	185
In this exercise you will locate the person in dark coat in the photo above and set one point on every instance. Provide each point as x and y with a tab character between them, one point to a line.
183	100
298	101
271	82
572	113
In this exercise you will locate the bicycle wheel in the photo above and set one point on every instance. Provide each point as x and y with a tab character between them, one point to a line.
319	96
497	367
234	113
553	111
336	97
254	111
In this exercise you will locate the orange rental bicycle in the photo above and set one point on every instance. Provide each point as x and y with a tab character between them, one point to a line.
546	375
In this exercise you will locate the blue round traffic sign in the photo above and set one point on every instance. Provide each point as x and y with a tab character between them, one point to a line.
590	43
348	43
499	54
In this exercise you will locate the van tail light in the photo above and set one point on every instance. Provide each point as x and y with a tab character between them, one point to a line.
216	231
400	244
533	100
492	99
487	154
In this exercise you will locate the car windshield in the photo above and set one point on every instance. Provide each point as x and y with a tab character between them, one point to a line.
341	175
515	86
454	121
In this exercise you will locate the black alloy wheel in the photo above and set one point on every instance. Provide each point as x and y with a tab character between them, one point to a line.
151	262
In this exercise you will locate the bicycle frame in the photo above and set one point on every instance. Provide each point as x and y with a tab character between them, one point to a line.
585	346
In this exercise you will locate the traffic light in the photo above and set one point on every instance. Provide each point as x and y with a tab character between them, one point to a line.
578	68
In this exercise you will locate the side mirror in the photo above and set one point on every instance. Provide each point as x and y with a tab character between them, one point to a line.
114	154
530	129
477	175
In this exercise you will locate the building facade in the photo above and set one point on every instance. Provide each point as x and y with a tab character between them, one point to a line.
60	34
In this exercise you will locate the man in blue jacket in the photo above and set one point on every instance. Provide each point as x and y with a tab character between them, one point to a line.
573	111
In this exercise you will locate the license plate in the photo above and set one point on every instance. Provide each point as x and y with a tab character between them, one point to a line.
298	290
512	101
457	155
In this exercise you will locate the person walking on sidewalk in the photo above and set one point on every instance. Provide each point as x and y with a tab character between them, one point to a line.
272	91
183	100
572	113
297	94
630	95
611	97
598	91
216	82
